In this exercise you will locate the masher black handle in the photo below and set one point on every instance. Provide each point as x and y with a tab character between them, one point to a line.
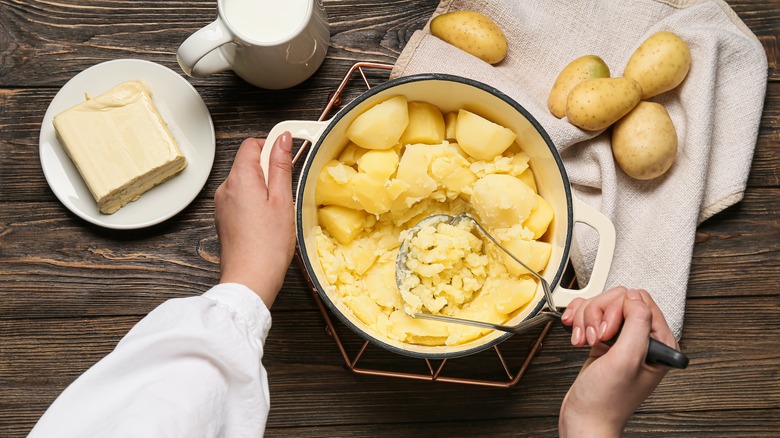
658	353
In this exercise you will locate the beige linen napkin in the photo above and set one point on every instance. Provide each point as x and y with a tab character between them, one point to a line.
716	111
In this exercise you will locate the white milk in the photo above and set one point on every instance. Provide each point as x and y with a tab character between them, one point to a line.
266	20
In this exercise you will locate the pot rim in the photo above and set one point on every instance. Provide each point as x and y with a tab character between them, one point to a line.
307	264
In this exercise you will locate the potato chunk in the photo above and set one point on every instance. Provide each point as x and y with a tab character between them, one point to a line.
380	164
351	154
481	138
344	224
381	126
502	201
533	253
334	185
413	169
426	124
540	218
449	125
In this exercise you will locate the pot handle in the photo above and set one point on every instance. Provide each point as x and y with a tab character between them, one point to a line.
300	129
588	215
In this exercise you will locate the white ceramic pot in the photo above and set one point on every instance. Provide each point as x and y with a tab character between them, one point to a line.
450	93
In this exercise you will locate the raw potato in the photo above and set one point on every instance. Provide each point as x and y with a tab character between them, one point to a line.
481	138
426	124
597	103
659	64
381	126
473	33
644	142
581	69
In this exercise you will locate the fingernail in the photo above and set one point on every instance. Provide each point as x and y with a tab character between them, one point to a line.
633	294
590	334
566	314
602	329
576	336
285	141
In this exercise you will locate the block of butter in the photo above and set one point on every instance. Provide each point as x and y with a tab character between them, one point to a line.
120	144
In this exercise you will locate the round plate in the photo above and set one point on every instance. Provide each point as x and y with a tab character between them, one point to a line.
188	120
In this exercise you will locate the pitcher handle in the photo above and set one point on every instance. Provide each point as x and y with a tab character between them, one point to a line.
300	129
588	215
199	55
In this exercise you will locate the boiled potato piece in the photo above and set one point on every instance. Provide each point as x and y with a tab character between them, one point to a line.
528	178
380	164
343	224
540	217
595	104
334	185
452	171
481	138
502	201
449	125
644	142
581	69
426	124
659	64
510	293
413	170
364	308
472	32
373	194
533	253
351	153
381	287
361	253
381	126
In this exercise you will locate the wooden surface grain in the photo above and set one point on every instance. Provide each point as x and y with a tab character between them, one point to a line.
69	290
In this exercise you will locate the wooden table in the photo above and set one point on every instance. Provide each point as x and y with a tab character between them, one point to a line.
69	290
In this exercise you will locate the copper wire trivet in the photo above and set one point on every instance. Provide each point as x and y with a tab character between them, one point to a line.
510	373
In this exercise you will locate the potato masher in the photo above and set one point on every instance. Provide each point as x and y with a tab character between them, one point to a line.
658	353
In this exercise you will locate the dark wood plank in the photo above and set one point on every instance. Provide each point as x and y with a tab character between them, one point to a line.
73	35
735	373
239	113
82	270
69	291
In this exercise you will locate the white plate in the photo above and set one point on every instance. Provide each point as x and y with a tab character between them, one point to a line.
187	117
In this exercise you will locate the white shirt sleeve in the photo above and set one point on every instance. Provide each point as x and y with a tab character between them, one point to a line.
191	368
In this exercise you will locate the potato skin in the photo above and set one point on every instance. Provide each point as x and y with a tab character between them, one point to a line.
659	64
473	33
581	69
644	142
597	103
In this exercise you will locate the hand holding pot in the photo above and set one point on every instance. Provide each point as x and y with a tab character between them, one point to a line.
255	220
614	381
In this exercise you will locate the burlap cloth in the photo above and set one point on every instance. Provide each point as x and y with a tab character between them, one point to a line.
716	111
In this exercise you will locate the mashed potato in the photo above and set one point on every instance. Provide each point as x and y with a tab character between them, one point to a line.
368	198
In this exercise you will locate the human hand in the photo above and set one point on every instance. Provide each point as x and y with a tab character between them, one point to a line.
614	381
255	222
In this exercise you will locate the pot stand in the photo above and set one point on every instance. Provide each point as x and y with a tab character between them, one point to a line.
518	344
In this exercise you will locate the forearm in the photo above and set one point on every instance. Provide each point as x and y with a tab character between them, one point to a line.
192	366
574	423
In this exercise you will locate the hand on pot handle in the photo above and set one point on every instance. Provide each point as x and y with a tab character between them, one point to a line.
300	129
615	381
255	220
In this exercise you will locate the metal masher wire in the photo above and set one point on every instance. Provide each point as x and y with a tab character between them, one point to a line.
658	353
402	271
